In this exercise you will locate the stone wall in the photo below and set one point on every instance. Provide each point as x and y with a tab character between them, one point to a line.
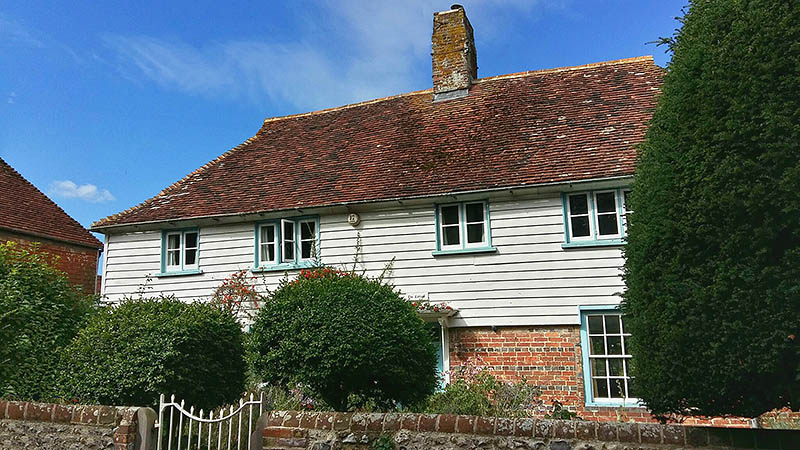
25	425
323	431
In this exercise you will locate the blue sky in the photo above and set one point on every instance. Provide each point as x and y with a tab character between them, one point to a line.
103	104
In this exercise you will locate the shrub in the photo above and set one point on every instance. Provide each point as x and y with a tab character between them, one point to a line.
130	353
350	339
713	255
40	312
475	391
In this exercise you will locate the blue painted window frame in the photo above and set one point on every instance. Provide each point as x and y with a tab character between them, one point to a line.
462	223
182	271
298	263
593	240
585	312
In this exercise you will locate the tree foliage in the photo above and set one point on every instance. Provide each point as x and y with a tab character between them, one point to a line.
713	255
353	341
130	353
40	312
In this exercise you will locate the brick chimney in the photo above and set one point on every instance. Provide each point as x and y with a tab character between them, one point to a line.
454	61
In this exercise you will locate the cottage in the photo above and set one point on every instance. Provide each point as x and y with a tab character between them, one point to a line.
504	197
28	217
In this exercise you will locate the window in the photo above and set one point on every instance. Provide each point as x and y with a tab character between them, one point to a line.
595	218
463	227
180	251
286	243
606	358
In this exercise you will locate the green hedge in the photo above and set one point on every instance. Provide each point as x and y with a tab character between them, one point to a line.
130	353
40	312
351	340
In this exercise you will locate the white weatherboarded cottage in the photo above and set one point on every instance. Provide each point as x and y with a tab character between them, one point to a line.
503	197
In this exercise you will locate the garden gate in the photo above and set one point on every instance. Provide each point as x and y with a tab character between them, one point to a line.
180	428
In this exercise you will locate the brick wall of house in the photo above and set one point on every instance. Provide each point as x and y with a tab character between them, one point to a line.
78	262
549	357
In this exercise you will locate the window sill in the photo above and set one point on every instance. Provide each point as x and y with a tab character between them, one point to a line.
462	251
180	273
283	267
630	403
598	243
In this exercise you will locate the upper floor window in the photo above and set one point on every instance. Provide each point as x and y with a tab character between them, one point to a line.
287	242
606	358
595	217
180	251
463	227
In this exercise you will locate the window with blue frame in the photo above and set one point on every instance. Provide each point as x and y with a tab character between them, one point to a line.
180	251
606	358
595	217
287	243
463	227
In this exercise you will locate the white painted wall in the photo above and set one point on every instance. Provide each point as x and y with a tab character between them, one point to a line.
531	280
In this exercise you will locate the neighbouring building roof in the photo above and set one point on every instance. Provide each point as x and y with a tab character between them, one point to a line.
526	129
25	209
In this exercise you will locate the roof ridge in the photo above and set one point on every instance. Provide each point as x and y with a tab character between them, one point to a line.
480	80
164	191
25	180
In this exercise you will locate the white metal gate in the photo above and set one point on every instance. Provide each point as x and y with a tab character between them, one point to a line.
180	428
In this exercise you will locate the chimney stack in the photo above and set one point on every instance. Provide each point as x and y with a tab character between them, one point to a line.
454	61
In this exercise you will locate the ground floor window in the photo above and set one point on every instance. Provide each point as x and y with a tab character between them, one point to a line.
606	358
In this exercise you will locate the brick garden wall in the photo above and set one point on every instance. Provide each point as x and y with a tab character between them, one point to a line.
26	425
322	430
79	263
549	357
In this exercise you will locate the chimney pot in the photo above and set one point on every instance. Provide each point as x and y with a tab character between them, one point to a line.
453	54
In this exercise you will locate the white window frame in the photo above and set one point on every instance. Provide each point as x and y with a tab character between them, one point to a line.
588	358
442	226
594	238
262	244
463	212
591	236
596	214
181	250
285	239
167	250
461	208
281	239
300	240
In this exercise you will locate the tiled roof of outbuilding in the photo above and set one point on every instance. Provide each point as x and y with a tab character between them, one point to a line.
25	209
530	128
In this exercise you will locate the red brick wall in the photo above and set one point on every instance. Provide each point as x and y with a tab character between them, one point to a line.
79	263
549	357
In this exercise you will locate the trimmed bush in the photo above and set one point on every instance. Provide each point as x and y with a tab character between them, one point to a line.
353	341
40	312
130	353
713	255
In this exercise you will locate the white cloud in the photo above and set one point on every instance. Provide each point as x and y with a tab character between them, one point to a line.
13	34
377	47
87	192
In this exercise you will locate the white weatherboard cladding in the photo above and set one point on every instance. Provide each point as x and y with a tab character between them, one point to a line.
530	280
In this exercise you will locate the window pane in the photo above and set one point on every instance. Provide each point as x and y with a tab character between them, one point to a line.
475	212
595	324
173	258
288	231
615	367
600	388
614	345
607	224
306	249
450	215
474	233
580	226
578	204
288	251
267	252
598	367
173	241
190	240
606	202
268	234
612	324
625	203
618	387
597	345
451	236
632	388
308	230
191	257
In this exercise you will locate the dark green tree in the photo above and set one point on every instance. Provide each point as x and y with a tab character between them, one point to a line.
350	340
713	255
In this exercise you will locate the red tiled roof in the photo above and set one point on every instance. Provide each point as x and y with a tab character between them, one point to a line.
556	125
25	209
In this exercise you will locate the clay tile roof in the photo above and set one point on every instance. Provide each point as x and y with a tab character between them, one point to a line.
549	126
25	209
